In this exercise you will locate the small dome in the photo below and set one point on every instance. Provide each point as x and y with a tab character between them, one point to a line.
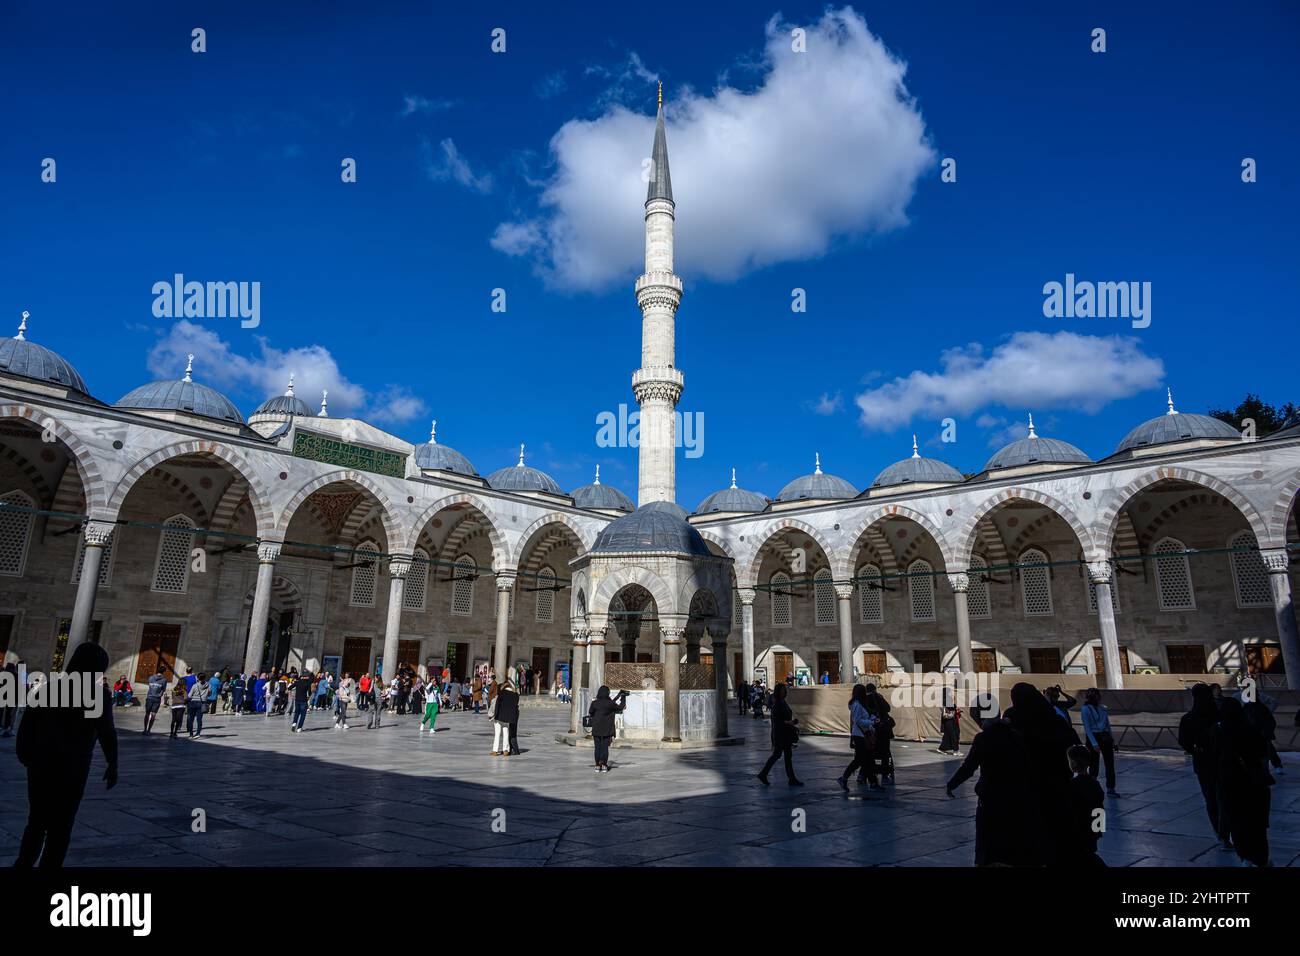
600	497
523	478
917	470
658	526
21	357
1290	428
1034	450
286	404
732	499
1174	426
186	395
817	486
437	457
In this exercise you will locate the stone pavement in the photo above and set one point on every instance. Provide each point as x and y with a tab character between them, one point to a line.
391	797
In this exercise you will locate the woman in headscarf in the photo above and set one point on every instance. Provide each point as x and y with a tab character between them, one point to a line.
1244	781
1196	737
784	735
602	712
1047	740
56	744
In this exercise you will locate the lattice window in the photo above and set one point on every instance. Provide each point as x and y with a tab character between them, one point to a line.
1173	576
105	562
780	584
364	575
824	594
871	608
1092	591
1035	583
172	570
737	610
977	596
1248	572
16	517
545	598
462	586
417	581
920	589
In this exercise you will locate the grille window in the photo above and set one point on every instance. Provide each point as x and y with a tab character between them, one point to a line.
417	582
977	597
824	592
1173	576
15	531
1036	583
1248	572
780	584
462	587
920	589
545	598
870	604
172	571
364	575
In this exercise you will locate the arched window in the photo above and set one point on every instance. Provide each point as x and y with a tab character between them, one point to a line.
920	589
364	575
545	596
17	512
824	594
105	562
870	606
780	585
462	586
1035	583
1092	591
172	569
1249	575
737	610
1173	576
417	581
977	596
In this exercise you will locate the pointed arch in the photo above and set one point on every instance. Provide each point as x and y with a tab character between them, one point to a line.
585	535
611	584
93	483
500	547
968	535
1281	512
754	561
396	539
844	569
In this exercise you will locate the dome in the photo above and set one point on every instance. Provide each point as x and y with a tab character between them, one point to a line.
817	486
732	499
286	404
1290	428
21	357
1034	450
437	457
600	497
1174	426
917	470
523	478
186	395
658	526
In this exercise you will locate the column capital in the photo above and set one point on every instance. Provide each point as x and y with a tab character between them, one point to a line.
505	578
268	552
1276	560
718	631
959	582
98	533
844	592
579	634
672	634
399	565
1100	572
747	595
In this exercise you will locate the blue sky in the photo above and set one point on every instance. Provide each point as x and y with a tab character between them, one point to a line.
812	173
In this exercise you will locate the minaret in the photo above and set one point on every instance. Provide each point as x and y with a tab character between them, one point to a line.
657	384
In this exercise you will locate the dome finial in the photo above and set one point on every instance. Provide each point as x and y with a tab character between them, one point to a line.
818	469
597	481
324	403
733	477
22	326
915	453
289	390
1169	395
521	457
189	367
1031	425
433	432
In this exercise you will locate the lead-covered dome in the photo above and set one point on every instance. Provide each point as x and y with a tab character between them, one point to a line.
434	457
523	478
658	526
1290	428
1034	451
917	471
598	497
816	486
732	499
18	356
186	395
1174	426
283	405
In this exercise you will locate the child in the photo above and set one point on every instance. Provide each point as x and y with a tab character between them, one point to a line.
175	700
1087	812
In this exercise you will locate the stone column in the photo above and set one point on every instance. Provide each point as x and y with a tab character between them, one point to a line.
844	592
1277	562
960	584
398	567
719	636
97	534
505	585
629	646
747	596
595	659
1100	572
268	552
575	675
672	683
693	646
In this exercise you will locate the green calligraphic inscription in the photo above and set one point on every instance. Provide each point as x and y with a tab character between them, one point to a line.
346	455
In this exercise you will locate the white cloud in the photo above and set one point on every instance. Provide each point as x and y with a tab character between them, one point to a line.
267	373
1032	370
453	166
830	145
413	103
828	404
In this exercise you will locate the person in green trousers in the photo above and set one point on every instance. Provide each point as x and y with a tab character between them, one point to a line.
430	710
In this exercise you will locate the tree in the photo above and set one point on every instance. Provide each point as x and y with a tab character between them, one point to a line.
1268	419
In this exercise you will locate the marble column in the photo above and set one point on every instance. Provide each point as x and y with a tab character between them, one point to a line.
398	567
1277	563
747	596
672	683
960	584
595	660
505	585
844	595
1100	572
575	677
268	552
97	535
719	636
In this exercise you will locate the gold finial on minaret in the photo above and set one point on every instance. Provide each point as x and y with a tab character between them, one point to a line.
661	94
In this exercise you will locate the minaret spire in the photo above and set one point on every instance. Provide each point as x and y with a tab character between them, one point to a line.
289	391
733	477
817	469
521	457
597	481
189	367
1169	395
324	401
433	432
915	453
22	326
1031	425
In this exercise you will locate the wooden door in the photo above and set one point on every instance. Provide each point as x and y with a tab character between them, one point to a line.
1264	659
783	662
1186	658
1044	660
356	656
927	660
874	662
1099	661
542	665
828	662
986	660
158	644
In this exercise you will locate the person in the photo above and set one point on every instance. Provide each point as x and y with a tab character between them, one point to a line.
153	697
430	711
259	694
237	695
785	734
123	696
1061	703
1087	812
950	724
505	713
1196	737
363	692
301	696
9	708
742	696
1101	742
1046	740
758	700
373	699
1259	714
197	703
189	680
602	711
862	738
476	689
882	756
214	693
250	692
342	698
175	702
322	692
1006	815
826	677
56	745
1243	781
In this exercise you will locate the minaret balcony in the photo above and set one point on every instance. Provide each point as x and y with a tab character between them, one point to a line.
650	280
658	373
